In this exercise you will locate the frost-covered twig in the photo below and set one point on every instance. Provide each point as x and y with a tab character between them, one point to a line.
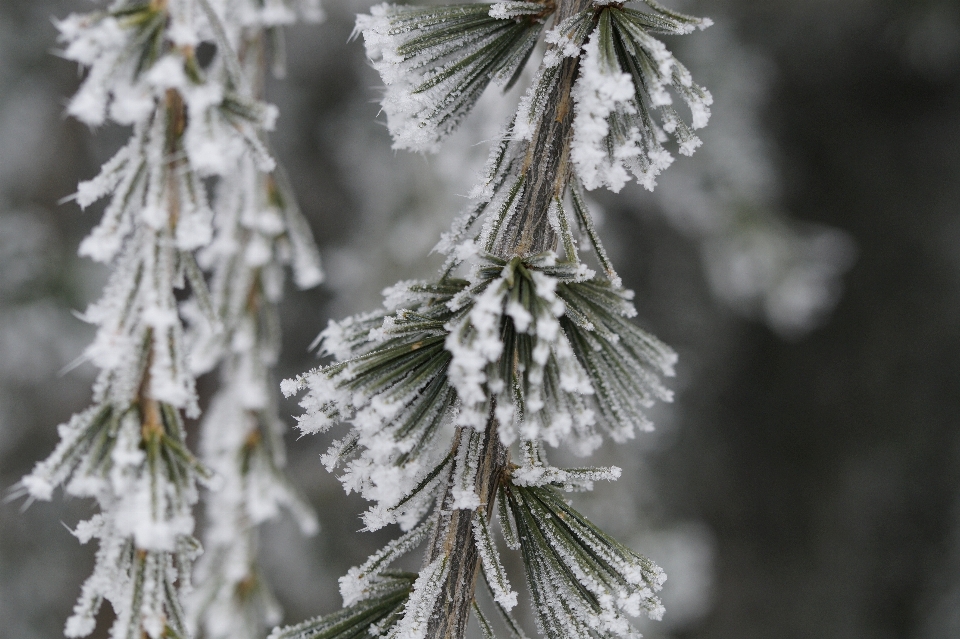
129	449
241	434
514	347
259	231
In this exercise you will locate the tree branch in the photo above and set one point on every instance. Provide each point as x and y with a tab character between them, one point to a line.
547	172
453	536
546	165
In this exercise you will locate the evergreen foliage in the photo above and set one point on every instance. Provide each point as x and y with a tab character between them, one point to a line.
518	344
436	61
158	233
381	608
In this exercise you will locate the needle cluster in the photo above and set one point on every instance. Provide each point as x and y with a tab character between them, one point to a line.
456	388
191	124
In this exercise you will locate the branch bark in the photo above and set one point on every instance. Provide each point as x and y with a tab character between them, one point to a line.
547	173
547	162
453	536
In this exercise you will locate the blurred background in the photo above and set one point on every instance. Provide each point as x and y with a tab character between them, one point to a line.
805	263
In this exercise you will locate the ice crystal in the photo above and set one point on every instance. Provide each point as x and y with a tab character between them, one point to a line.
624	75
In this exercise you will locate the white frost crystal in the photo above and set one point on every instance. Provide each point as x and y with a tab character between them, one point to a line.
599	93
614	129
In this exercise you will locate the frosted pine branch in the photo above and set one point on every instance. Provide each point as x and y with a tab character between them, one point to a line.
128	450
437	61
259	232
519	344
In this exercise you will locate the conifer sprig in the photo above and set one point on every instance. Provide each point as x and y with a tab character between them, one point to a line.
381	609
259	233
128	451
513	347
436	61
528	341
583	582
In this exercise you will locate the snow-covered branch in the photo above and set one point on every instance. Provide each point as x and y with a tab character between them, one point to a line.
189	121
518	344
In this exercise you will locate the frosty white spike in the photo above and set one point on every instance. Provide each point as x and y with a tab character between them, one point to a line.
601	91
416	614
361	580
624	76
493	569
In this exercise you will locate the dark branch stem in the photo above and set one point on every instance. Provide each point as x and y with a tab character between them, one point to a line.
453	536
546	166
